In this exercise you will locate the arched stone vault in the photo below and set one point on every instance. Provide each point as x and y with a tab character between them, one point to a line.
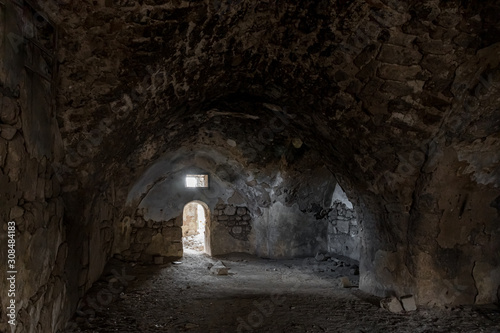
398	100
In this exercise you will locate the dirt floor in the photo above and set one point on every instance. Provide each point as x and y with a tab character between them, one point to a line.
258	295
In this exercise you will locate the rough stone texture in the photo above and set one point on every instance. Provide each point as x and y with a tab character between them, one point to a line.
229	216
45	293
343	227
260	95
408	303
391	304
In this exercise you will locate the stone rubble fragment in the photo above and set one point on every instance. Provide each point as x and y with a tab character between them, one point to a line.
345	282
219	269
408	302
391	304
320	257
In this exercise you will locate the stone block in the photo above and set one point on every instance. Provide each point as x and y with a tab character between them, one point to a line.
391	304
399	38
237	230
219	269
29	180
366	55
7	132
408	303
144	236
400	55
437	63
15	155
9	110
448	20
139	223
169	223
320	257
16	212
398	72
434	47
223	218
396	88
343	226
3	152
159	260
241	211
172	233
246	217
368	71
230	210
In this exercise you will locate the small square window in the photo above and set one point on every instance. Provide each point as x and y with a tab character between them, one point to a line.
196	180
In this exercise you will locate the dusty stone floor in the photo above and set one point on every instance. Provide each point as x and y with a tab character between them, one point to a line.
258	295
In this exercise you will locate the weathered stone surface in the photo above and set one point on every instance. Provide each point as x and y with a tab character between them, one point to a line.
144	236
408	303
173	233
16	212
343	226
7	132
9	110
230	210
434	47
398	73
487	279
159	260
399	55
16	154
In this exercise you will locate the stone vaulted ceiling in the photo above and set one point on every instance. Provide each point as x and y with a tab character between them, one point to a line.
373	85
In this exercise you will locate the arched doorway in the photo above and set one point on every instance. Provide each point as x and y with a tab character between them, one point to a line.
195	223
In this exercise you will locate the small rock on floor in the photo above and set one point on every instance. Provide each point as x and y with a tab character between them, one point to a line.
392	304
408	303
219	269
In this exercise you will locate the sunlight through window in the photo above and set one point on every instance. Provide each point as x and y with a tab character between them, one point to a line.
196	180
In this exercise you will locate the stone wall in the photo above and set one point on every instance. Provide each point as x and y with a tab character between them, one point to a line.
236	219
343	231
408	108
151	240
30	195
266	213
